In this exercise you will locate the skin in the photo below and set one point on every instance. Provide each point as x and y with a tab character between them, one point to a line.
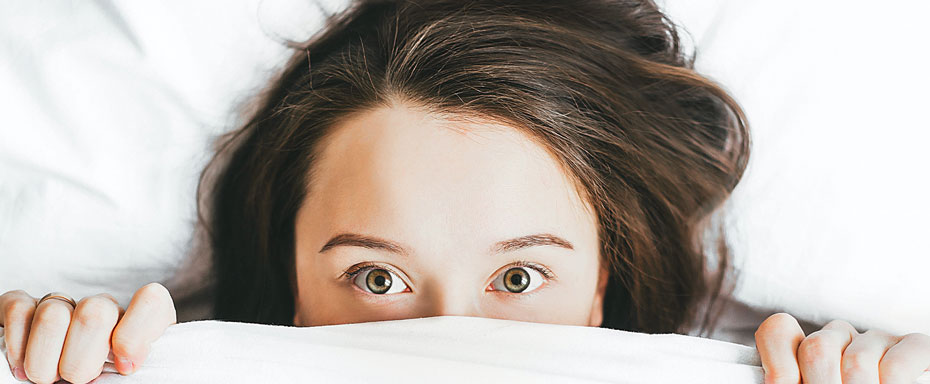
447	193
439	203
53	340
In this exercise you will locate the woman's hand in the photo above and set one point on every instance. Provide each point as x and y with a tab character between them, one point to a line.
838	354
55	341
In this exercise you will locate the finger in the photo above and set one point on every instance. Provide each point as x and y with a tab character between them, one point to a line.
46	337
777	340
150	312
821	353
842	326
16	312
88	341
904	362
861	357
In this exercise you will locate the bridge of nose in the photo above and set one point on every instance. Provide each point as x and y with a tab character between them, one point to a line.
458	296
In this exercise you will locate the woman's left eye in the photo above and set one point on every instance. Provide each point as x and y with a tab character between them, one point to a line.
379	281
517	280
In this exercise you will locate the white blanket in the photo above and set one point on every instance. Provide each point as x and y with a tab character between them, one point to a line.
443	349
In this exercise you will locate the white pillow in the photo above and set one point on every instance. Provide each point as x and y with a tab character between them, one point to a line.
109	112
831	219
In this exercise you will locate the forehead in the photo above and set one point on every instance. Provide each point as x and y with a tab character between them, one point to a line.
404	173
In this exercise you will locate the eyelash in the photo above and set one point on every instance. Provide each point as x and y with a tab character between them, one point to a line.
354	270
539	268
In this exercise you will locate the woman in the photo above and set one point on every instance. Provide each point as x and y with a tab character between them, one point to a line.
545	161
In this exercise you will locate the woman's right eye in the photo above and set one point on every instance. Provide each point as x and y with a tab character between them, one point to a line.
379	281
518	280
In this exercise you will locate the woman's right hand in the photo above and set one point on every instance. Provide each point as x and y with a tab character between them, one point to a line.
55	341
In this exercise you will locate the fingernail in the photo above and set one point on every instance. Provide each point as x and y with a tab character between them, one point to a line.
124	365
19	374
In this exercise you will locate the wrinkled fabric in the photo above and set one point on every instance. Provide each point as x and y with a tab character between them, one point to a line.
441	349
437	349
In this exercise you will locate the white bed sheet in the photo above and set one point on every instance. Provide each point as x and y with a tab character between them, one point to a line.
437	349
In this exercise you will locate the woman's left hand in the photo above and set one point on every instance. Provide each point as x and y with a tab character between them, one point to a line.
838	353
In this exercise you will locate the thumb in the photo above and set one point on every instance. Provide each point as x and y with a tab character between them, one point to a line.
149	314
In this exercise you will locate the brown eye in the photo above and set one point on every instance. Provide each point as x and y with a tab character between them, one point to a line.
516	280
379	281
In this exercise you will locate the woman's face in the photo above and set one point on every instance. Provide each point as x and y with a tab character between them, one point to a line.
408	215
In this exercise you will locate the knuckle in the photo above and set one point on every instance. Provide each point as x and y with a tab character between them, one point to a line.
775	322
19	309
919	338
155	295
838	322
891	366
781	317
95	312
18	294
858	365
54	316
154	291
815	350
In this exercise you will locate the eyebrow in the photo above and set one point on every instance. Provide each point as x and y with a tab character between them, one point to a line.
510	245
536	240
364	241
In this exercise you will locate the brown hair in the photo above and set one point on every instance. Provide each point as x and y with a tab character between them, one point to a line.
604	85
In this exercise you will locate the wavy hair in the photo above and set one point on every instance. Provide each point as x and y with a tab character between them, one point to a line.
604	85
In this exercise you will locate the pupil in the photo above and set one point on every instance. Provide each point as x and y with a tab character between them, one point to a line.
379	281
516	280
